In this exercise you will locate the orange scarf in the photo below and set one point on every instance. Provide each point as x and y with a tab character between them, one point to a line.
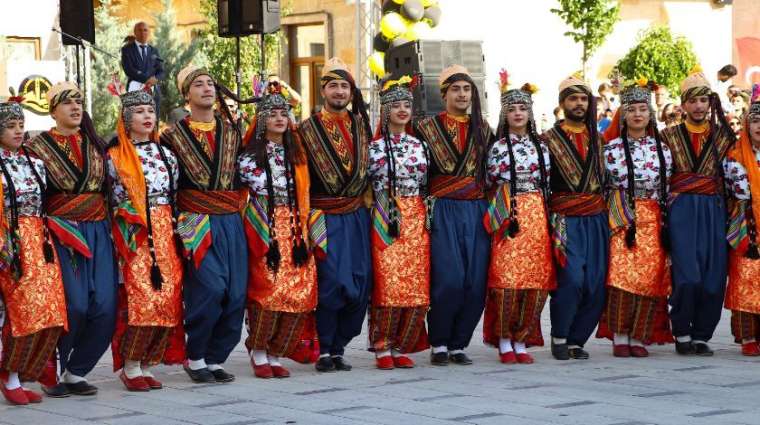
129	168
742	153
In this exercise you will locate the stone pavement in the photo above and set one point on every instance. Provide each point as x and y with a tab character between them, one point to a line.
663	389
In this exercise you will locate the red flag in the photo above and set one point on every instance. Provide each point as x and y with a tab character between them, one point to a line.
749	59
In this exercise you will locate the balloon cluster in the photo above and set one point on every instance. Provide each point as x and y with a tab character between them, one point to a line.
403	21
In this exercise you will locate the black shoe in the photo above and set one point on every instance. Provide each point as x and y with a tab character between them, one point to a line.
578	353
341	364
57	391
460	359
221	376
685	348
200	376
325	364
702	349
439	359
82	388
560	351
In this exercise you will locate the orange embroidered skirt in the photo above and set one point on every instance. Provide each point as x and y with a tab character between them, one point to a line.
643	269
147	306
743	291
292	289
37	301
402	270
525	261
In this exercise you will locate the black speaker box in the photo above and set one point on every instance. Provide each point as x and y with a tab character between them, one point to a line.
246	17
77	18
428	58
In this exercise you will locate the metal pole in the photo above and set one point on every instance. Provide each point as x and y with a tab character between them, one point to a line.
87	78
79	79
238	76
263	58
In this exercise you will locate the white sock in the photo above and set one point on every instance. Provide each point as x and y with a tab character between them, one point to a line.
620	339
384	353
336	356
559	341
274	361
456	352
748	340
505	345
697	341
520	348
570	347
440	349
146	372
322	356
636	343
196	364
13	381
132	369
259	357
70	378
685	338
212	367
396	354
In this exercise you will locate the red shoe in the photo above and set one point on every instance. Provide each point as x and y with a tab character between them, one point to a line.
263	371
384	363
280	372
17	396
621	350
508	357
134	384
32	396
524	358
403	362
751	349
153	383
639	351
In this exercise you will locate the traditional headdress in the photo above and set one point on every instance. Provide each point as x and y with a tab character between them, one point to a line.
336	69
744	154
186	76
60	92
10	110
521	96
572	85
695	84
397	90
132	99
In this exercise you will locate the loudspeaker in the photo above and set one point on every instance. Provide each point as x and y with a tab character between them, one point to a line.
428	58
246	17
77	18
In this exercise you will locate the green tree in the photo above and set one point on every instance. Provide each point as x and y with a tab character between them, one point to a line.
591	20
109	33
659	56
176	55
221	52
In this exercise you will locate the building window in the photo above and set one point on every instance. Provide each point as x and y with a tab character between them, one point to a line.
21	49
307	58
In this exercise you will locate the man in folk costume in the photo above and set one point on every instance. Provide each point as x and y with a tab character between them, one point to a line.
638	164
209	205
697	216
144	176
460	246
74	159
30	276
400	241
282	283
580	232
742	168
517	218
336	143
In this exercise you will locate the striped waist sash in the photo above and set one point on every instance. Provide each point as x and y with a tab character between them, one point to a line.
456	187
577	204
694	183
210	202
337	204
77	207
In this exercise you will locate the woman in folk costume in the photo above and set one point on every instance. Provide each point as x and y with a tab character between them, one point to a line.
518	220
742	170
30	275
144	176
638	281
282	284
400	240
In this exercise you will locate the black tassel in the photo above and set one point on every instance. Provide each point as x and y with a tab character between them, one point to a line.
665	239
630	236
300	253
393	229
514	227
274	256
47	251
155	277
752	252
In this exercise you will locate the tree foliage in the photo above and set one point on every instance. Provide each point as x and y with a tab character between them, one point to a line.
109	33
659	56
591	20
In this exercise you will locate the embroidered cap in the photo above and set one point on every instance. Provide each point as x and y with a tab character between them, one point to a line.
60	92
186	76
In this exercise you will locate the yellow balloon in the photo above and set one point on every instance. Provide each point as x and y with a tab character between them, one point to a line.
392	25
428	3
377	64
399	1
417	30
